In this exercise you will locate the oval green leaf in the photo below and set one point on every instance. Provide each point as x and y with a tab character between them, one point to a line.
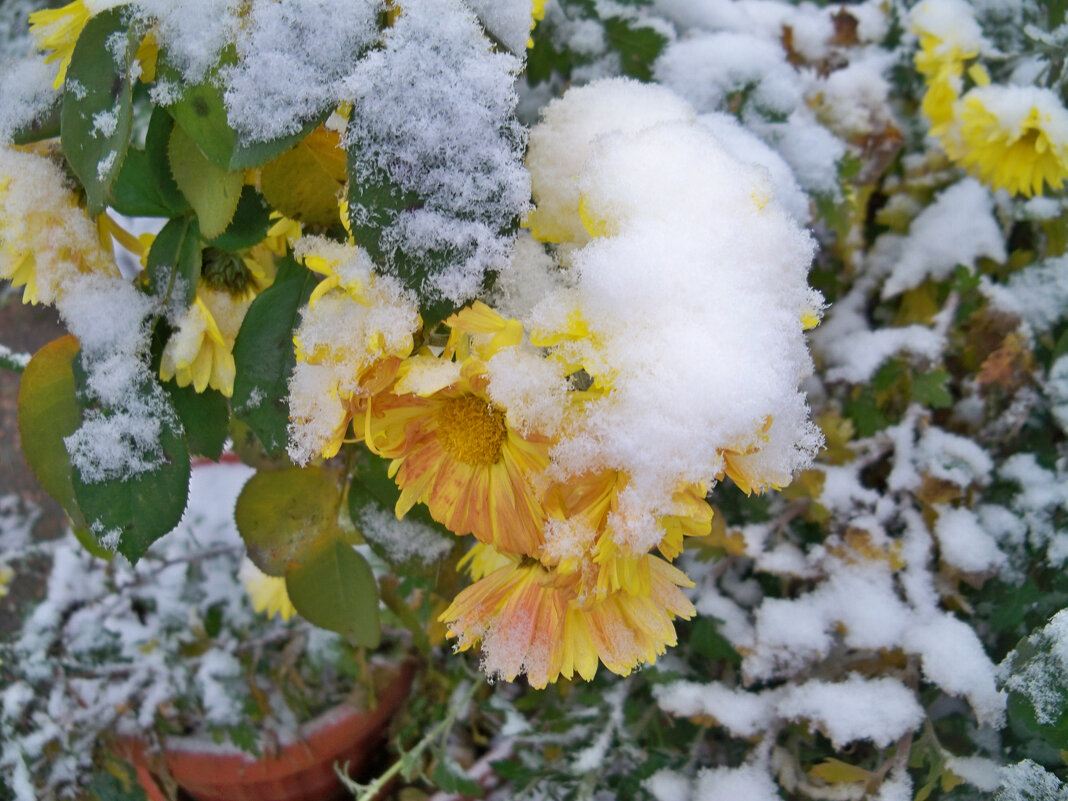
282	515
97	113
336	590
48	411
212	192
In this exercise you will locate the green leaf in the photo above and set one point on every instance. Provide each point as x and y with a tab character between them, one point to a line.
450	777
930	389
335	589
372	486
45	126
48	411
373	207
174	263
106	785
147	505
145	186
212	192
255	154
205	417
706	640
250	223
284	514
264	356
201	115
97	113
213	619
638	47
865	413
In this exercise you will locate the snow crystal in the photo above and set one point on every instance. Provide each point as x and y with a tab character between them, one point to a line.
953	658
1028	781
952	25
747	148
727	259
708	70
930	250
508	21
307	49
854	351
26	94
105	164
17	518
895	787
980	772
464	160
667	785
405	540
751	782
812	151
567	136
743	714
1038	294
216	675
964	543
953	458
881	710
109	317
1043	678
192	32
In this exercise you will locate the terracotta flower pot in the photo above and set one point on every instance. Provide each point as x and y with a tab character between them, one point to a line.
300	771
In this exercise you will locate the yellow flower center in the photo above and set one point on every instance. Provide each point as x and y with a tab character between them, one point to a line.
471	430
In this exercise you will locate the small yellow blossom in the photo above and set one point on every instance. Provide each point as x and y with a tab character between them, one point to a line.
267	593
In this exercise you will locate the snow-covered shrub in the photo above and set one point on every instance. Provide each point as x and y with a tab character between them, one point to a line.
733	331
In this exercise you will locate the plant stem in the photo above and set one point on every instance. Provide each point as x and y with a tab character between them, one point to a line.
368	792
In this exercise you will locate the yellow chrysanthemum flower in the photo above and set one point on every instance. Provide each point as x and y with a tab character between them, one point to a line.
479	330
581	536
1013	138
532	620
267	593
351	343
200	352
453	450
56	31
46	238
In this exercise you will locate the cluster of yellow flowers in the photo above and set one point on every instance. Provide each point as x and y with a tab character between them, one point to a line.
538	606
1010	137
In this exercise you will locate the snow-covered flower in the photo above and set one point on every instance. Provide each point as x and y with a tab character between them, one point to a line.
453	450
46	238
353	337
1013	138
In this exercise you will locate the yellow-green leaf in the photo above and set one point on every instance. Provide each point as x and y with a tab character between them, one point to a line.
282	515
834	771
212	192
47	412
305	182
